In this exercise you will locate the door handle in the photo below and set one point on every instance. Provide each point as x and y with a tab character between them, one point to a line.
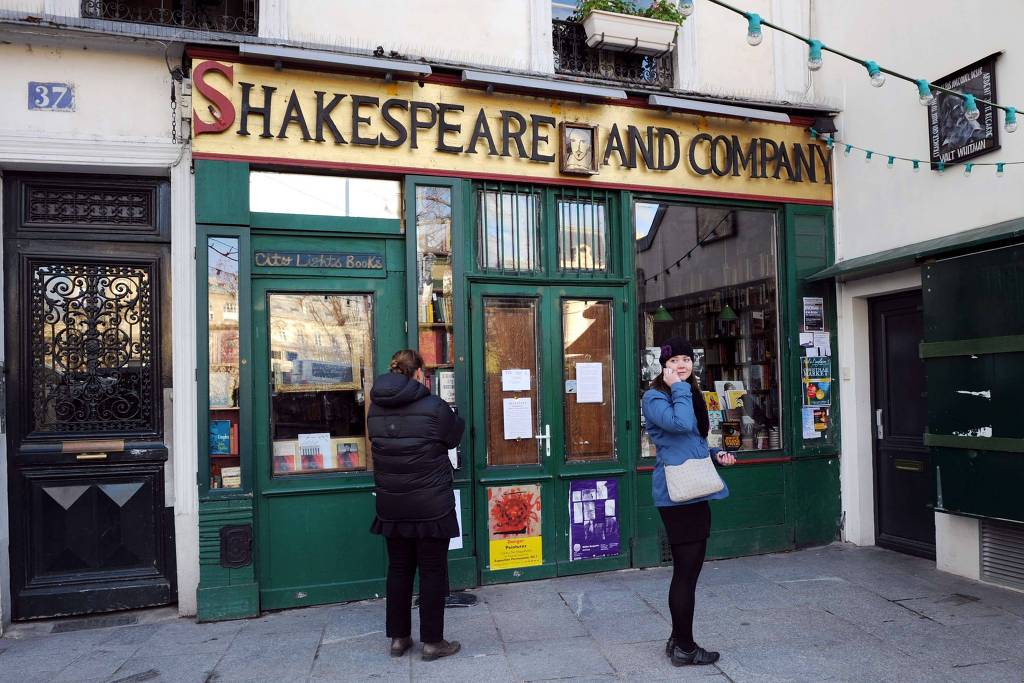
547	440
91	456
878	424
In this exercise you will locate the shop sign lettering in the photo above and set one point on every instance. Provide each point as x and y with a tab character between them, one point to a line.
321	117
308	259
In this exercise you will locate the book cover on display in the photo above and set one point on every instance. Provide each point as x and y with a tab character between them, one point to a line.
220	437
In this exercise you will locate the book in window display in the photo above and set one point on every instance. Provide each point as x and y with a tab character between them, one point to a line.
220	437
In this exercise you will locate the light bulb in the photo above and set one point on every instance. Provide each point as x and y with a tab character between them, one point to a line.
917	166
814	55
686	7
942	167
867	156
877	77
999	170
967	170
846	152
891	163
971	112
927	98
754	35
1011	119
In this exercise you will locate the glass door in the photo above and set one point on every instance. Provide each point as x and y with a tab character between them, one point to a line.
550	470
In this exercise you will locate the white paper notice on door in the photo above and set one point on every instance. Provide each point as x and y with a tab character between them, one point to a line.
589	383
515	380
518	414
456	543
807	423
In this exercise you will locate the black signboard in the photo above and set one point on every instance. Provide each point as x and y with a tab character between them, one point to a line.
952	138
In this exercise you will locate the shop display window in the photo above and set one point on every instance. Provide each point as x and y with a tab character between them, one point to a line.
222	289
709	275
321	370
324	195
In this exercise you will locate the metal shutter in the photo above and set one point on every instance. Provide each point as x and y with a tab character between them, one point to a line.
1002	553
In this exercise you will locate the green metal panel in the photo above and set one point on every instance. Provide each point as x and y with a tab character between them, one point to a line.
814	500
222	192
332	224
224	593
976	303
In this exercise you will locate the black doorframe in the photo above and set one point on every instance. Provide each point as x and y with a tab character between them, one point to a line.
903	481
89	526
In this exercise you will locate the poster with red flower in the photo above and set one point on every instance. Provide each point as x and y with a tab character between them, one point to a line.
514	526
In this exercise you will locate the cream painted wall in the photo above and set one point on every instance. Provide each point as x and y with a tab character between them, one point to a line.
880	209
118	93
487	32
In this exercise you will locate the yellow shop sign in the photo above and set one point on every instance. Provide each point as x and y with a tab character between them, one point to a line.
242	111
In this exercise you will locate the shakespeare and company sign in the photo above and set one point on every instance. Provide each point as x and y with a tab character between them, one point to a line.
247	112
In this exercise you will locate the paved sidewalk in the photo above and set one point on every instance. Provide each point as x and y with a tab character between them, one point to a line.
836	613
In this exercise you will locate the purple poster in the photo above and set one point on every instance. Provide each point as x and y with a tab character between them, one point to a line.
593	518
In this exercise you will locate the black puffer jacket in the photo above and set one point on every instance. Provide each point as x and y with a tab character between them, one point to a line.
411	431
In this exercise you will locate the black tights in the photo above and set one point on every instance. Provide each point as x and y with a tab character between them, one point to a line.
687	561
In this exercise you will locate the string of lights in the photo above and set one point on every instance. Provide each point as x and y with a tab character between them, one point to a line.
679	262
925	89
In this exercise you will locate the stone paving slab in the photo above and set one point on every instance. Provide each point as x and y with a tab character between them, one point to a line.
837	613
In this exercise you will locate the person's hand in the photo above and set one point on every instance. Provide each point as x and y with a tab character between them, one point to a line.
670	376
726	459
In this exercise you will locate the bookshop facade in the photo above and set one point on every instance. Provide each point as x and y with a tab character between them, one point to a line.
535	251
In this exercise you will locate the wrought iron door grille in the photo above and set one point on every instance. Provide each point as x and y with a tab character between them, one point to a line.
582	217
92	348
224	16
508	222
573	57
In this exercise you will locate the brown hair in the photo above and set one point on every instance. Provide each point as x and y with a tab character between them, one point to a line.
406	362
659	382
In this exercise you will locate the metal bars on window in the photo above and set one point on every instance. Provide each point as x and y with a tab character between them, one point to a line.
508	219
582	218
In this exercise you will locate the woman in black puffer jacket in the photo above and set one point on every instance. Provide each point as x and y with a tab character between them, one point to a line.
410	433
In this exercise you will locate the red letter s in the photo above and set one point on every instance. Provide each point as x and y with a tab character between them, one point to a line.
221	108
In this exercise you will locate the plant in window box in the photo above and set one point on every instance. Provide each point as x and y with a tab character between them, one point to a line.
621	25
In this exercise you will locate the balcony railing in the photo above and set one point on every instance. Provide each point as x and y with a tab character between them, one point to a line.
574	58
223	16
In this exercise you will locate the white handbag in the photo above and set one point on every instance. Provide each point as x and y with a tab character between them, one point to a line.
695	478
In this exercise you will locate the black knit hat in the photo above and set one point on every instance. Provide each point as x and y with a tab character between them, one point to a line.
676	346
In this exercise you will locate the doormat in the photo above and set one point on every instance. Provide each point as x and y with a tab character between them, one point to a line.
95	622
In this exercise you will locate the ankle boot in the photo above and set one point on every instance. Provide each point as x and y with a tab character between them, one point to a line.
670	645
442	648
399	646
698	657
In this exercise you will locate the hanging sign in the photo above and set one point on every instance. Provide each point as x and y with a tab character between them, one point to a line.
513	526
952	138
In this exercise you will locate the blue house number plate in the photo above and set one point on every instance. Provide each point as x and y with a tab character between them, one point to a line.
51	96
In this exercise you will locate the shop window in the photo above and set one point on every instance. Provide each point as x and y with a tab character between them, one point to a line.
436	288
587	364
318	391
224	379
709	274
510	342
582	234
508	219
324	195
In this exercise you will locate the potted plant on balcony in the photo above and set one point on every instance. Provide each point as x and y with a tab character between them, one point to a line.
621	25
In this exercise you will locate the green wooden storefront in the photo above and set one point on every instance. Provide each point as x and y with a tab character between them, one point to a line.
309	537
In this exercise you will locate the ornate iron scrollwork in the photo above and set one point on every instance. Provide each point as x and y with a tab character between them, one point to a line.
51	204
226	16
92	348
573	57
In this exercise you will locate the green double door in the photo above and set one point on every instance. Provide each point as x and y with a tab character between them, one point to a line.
318	344
551	438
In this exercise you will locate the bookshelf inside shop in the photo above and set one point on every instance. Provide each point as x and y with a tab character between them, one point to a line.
737	328
436	325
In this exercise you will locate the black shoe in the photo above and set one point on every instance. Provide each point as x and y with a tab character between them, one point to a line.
399	646
670	645
698	657
443	648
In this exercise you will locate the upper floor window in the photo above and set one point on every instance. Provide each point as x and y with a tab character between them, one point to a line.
228	16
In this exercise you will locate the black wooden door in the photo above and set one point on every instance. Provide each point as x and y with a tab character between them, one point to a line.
86	345
903	473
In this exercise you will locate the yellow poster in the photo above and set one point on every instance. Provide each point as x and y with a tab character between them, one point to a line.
514	526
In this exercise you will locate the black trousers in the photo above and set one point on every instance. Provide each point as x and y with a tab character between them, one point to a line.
405	556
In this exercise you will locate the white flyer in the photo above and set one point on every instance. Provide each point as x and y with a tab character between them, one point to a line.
456	543
806	339
515	380
518	418
453	455
823	342
808	424
589	383
318	444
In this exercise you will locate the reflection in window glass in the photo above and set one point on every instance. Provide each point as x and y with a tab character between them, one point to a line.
222	299
507	230
323	195
587	368
723	299
436	287
512	414
321	368
582	235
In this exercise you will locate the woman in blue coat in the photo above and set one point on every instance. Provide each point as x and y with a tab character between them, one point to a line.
677	423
